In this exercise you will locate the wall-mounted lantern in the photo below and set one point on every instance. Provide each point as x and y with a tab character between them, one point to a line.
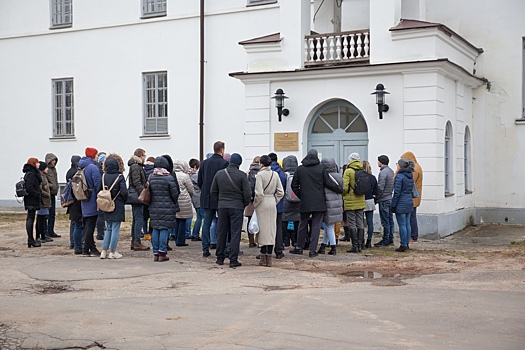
381	99
279	104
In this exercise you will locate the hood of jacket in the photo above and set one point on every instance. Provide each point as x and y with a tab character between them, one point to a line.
29	168
355	164
85	161
311	158
329	165
170	163
275	166
135	160
290	164
409	156
180	166
407	172
255	166
74	161
162	162
50	157
113	164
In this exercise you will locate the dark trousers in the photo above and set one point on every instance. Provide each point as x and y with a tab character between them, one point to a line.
30	223
88	243
413	225
101	226
317	218
290	236
137	211
230	220
52	214
180	231
41	224
279	246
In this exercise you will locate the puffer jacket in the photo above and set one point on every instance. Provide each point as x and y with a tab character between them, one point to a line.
185	188
137	176
94	181
290	209
385	184
74	210
32	179
418	177
402	200
352	201
334	200
164	196
52	175
114	168
282	176
45	189
196	199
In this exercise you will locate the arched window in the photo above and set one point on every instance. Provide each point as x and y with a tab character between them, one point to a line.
342	116
448	159
467	162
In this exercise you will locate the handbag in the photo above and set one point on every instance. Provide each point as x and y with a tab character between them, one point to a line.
415	192
253	227
145	195
133	197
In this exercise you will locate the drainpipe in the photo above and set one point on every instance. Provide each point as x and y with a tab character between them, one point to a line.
201	99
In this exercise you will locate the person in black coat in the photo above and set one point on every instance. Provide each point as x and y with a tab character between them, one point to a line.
163	207
370	205
74	210
113	179
33	199
308	184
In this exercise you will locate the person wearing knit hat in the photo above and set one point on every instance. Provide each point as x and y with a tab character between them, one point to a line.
385	187
354	203
91	152
236	159
279	245
42	165
354	156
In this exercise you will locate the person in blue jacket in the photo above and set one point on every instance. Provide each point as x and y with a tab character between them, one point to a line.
402	204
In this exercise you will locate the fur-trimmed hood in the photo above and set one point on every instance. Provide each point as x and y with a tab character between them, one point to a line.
180	166
113	163
134	160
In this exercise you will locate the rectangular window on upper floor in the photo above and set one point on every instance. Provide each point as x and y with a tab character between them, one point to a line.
260	2
63	113
153	8
155	85
61	13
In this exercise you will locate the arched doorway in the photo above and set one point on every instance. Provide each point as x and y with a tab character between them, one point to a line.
337	130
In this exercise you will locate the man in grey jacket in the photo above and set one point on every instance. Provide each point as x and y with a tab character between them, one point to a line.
385	187
231	188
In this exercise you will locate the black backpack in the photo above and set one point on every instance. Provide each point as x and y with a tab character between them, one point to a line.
20	188
362	182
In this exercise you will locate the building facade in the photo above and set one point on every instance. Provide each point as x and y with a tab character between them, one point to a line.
124	74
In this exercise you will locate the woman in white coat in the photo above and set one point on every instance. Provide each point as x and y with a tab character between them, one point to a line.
268	192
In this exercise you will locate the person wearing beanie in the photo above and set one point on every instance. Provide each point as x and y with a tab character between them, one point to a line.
354	204
402	204
232	191
354	156
52	180
137	181
385	187
279	245
42	214
89	207
33	198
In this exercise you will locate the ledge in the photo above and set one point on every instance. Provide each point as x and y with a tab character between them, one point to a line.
448	194
153	15
468	192
520	121
61	139
155	137
61	26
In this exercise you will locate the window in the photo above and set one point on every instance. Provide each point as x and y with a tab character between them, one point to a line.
260	2
347	118
155	103
63	116
448	159
466	160
153	8
61	13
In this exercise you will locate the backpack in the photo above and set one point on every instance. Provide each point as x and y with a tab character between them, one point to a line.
290	194
66	196
104	200
20	188
362	182
80	187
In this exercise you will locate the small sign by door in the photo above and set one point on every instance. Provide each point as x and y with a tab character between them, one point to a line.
286	141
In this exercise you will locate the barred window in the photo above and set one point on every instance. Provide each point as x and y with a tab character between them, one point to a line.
153	8
63	112
61	13
155	103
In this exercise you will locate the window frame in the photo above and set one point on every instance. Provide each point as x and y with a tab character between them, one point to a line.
259	2
155	13
63	108
467	163
156	103
53	13
448	164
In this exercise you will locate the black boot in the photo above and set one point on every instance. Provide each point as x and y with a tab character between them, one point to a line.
360	239
332	250
321	249
347	234
368	243
353	237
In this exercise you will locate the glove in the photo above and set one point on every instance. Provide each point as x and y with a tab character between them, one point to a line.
393	209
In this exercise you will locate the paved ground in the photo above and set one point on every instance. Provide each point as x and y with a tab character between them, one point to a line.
463	292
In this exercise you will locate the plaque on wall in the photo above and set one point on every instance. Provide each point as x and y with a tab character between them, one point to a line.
286	141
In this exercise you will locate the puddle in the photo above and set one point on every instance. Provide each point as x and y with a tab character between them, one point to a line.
371	275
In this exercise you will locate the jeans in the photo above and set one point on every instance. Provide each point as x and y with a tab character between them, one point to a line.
100	225
370	223
209	215
111	236
136	225
198	222
230	221
413	225
279	246
77	233
87	234
329	234
355	219
387	220
180	231
52	214
30	223
159	241
213	231
403	221
188	228
317	218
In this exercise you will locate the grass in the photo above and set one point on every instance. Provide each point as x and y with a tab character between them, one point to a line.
518	243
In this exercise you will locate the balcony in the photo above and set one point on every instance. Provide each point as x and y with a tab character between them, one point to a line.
337	48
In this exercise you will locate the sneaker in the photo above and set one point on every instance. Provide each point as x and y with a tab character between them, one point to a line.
115	255
54	235
86	254
235	264
402	249
103	255
279	255
94	253
296	251
100	238
381	243
206	254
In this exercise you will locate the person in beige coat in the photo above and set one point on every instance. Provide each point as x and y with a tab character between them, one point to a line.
180	167
268	192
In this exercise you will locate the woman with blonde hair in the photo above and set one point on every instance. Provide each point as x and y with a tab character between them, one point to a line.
248	211
370	205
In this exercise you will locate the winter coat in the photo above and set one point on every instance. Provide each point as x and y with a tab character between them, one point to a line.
74	209
373	191
196	199
282	176
114	168
252	175
137	176
403	185
186	190
94	181
52	175
230	195
209	167
309	182
385	184
45	190
33	179
334	200
148	168
290	209
352	201
418	177
268	192
164	196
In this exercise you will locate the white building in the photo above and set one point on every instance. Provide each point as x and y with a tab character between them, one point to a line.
122	74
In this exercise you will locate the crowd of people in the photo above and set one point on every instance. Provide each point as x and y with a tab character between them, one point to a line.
287	203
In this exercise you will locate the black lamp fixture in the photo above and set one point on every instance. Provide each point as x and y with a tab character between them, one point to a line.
279	104
380	99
